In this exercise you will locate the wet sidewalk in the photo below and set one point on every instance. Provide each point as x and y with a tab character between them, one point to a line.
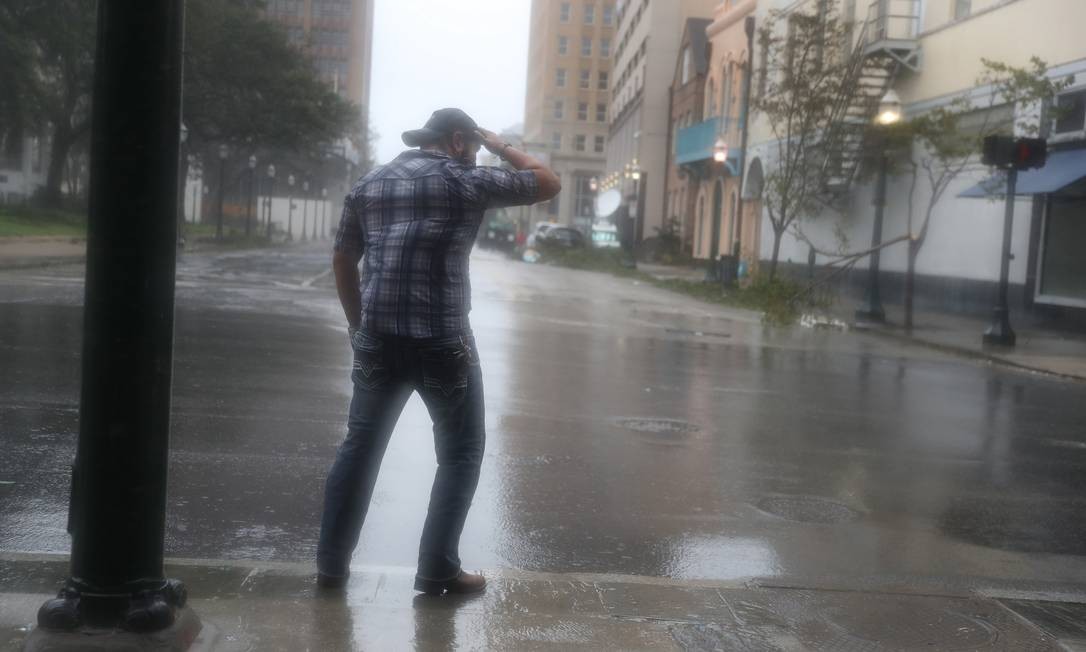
1040	350
275	607
40	251
1037	349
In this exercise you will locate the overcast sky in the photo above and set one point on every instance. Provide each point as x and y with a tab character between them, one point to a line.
429	54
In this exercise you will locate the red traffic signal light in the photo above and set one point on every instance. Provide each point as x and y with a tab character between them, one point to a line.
1030	153
1019	153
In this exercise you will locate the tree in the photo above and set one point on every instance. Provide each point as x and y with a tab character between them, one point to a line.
16	76
947	139
806	73
244	84
61	35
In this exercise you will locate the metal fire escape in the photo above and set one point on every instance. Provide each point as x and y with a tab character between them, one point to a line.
886	44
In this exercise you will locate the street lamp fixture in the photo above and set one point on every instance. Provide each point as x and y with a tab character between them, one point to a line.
889	109
593	184
720	150
635	172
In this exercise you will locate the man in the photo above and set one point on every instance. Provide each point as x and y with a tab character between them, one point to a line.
415	220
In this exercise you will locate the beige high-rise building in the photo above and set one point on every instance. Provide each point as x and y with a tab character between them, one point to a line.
338	36
566	109
647	37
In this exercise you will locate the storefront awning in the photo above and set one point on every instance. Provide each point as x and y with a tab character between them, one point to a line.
1061	170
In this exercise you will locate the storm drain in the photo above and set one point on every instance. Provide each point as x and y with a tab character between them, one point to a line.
808	509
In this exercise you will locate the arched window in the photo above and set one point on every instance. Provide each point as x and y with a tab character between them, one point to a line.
710	110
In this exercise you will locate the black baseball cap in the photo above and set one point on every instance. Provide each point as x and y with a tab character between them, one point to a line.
442	123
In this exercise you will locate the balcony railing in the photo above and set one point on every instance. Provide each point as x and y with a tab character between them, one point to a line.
695	143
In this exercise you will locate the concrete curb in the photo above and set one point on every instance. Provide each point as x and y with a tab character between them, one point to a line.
965	353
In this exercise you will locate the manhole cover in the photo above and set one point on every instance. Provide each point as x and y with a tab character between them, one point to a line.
659	426
808	509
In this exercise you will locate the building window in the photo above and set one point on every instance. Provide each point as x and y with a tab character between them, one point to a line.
560	78
710	109
582	111
1071	113
559	110
1063	267
563	45
583	197
601	112
586	79
565	12
604	80
608	14
605	47
962	8
589	14
586	46
686	66
600	142
556	141
579	142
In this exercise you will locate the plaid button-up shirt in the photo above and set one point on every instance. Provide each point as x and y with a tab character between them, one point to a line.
415	221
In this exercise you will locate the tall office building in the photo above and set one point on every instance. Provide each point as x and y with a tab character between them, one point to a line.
648	33
338	37
565	116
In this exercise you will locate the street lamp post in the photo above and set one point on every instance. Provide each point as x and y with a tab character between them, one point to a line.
290	209
872	310
224	153
269	198
249	205
305	208
195	186
324	213
635	174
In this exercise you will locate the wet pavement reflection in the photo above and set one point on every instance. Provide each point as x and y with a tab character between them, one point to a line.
632	432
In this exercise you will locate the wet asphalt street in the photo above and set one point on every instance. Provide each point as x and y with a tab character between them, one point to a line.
630	432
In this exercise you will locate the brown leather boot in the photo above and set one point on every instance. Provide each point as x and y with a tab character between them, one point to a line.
462	584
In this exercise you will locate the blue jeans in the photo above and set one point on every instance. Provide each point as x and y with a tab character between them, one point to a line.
387	369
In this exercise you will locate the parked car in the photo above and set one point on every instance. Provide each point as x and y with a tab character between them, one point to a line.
563	236
538	232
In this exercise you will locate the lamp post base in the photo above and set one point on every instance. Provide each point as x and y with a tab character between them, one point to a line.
185	633
148	608
1000	333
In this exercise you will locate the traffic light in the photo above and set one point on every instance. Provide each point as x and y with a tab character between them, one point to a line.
1019	153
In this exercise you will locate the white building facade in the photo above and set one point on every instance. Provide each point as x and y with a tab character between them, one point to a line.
958	267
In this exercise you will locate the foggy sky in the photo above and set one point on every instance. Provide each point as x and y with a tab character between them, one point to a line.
430	54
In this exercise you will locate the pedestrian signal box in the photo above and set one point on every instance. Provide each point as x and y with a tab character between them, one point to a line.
1017	153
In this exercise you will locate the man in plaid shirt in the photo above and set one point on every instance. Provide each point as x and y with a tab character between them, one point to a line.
412	223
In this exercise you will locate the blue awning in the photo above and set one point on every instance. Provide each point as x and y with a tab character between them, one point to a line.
1061	170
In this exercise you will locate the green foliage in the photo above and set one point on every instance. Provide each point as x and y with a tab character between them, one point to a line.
806	80
245	84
